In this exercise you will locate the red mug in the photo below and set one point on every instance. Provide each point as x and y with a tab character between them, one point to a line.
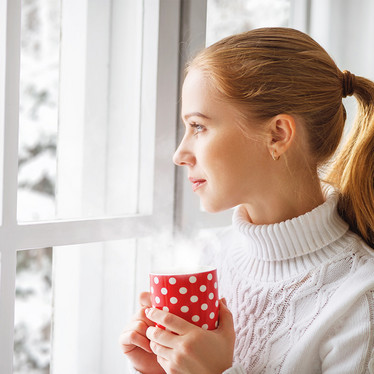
192	295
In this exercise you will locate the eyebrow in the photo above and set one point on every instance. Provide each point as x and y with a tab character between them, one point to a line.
197	114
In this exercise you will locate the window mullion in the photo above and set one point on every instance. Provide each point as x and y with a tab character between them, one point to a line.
40	235
11	114
166	110
7	293
10	181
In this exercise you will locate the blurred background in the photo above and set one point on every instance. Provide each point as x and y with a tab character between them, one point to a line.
95	140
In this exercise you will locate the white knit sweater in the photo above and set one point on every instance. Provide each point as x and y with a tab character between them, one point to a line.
301	293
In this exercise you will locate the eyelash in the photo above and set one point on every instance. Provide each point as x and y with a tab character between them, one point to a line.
197	128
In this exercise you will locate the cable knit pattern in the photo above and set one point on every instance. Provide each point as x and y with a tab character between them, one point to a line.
301	293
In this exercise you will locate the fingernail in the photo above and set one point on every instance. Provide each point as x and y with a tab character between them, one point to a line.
147	311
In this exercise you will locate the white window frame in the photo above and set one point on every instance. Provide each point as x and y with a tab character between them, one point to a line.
15	236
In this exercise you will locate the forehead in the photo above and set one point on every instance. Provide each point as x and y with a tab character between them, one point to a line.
198	95
194	77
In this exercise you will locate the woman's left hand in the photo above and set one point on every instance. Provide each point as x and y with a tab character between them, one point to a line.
192	349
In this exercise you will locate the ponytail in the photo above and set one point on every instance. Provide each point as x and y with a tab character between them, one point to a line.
353	169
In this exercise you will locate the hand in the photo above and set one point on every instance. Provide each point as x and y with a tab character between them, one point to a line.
188	349
135	344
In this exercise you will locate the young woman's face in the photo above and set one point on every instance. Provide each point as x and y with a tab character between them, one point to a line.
225	167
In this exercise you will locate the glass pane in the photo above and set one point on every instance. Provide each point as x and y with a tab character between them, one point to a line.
226	17
38	109
33	309
91	291
80	150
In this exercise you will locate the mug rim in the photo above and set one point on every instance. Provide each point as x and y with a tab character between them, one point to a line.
200	269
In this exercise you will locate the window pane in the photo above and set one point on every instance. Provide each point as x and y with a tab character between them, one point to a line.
81	154
38	110
94	297
33	309
226	17
93	293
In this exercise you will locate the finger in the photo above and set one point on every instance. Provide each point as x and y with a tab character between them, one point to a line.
226	321
160	351
145	299
135	334
169	320
163	337
131	339
141	316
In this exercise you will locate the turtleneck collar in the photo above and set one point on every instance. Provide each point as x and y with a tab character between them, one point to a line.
293	238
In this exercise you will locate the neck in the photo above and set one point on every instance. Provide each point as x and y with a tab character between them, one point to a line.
283	250
284	201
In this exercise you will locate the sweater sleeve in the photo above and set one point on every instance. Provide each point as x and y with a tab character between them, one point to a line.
349	347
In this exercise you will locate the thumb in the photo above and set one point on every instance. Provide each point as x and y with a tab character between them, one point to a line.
226	321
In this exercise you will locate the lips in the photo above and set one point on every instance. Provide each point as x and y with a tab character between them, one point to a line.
197	183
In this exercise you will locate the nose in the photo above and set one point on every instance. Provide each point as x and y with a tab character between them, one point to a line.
183	156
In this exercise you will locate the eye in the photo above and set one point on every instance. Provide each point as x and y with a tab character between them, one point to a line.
197	128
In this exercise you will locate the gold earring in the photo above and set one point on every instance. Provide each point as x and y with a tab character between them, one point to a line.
274	158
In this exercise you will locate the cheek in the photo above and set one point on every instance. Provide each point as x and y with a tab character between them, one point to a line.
237	161
217	158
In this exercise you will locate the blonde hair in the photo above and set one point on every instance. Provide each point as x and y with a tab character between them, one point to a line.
269	71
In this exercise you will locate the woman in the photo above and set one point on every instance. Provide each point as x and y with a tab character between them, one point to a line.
263	118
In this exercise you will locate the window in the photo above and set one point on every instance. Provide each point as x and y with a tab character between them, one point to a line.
106	111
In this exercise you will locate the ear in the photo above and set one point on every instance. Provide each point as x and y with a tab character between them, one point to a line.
282	133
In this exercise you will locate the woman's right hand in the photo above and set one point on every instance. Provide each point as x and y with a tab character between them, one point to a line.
135	344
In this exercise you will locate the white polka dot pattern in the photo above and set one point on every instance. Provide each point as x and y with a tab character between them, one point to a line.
193	297
193	279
